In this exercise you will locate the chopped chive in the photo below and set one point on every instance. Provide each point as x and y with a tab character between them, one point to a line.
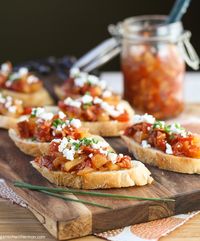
91	193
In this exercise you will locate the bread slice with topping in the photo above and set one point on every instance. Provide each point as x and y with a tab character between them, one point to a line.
90	163
166	146
138	175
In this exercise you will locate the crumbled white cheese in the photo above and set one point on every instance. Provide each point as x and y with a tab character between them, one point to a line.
93	80
69	154
40	113
90	155
81	78
168	149
12	109
5	68
100	144
32	79
56	140
75	123
64	142
46	116
112	157
106	94
177	129
23	71
74	72
61	115
80	81
145	144
87	99
143	118
71	102
97	100
110	109
120	155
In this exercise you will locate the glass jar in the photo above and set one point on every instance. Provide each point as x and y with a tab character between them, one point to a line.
153	66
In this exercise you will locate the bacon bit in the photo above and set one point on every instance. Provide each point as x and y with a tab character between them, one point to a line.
124	162
25	129
123	117
27	110
45	161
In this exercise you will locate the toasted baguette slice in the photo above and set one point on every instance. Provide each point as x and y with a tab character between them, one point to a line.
34	148
138	175
161	160
7	122
38	98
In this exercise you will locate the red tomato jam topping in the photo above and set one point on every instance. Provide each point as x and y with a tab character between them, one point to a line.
11	107
20	81
88	108
83	156
80	83
171	139
153	81
44	127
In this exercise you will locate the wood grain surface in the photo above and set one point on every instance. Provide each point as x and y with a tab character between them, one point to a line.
19	222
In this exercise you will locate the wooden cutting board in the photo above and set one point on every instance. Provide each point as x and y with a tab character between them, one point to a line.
66	220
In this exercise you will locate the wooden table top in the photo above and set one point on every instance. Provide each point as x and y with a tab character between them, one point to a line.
19	222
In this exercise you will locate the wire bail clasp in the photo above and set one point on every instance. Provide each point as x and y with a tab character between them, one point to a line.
189	54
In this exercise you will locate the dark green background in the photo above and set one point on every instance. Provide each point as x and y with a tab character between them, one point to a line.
40	28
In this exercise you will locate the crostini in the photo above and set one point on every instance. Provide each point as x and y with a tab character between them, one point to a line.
33	133
10	110
100	117
167	146
80	83
90	163
23	85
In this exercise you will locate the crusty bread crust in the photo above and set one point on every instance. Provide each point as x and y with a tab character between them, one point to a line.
7	122
161	160
29	147
34	148
138	175
38	98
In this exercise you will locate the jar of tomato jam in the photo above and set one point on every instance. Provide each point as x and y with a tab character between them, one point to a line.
153	64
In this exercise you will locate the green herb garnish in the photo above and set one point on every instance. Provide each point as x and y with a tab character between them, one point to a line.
85	106
58	122
33	113
88	193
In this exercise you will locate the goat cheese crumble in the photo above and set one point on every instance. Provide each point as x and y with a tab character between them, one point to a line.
145	144
143	118
82	78
168	149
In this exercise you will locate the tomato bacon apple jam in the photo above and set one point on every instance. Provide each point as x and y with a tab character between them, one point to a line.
88	108
12	107
169	138
82	156
20	81
45	126
80	83
153	82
